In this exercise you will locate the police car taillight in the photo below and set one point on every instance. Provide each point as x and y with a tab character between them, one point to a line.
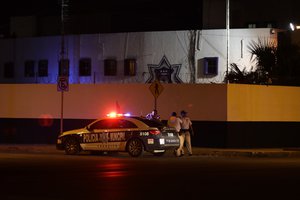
154	132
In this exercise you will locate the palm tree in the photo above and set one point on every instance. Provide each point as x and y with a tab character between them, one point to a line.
279	65
264	52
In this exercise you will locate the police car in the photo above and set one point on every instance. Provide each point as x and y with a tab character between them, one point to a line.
126	133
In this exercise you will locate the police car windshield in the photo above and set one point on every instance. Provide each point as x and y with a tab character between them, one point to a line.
150	123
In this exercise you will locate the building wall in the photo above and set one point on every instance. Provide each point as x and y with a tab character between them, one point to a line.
148	48
213	43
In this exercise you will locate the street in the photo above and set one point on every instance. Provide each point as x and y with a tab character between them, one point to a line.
118	176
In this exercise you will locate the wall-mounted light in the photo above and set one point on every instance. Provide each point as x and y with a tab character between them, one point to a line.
294	27
272	31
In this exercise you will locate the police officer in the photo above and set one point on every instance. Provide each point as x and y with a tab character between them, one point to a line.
175	122
186	126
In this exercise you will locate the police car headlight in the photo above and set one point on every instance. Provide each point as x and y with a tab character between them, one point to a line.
162	141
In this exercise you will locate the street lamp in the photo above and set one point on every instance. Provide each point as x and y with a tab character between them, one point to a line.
227	38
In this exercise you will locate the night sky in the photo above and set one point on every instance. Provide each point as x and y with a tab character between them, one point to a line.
123	15
29	7
50	7
145	15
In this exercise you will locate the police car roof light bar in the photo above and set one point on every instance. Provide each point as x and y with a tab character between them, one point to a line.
114	114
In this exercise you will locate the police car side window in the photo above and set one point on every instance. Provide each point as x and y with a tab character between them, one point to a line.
103	124
110	124
126	124
113	124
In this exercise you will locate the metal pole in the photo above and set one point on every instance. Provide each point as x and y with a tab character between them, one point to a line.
62	112
227	36
62	61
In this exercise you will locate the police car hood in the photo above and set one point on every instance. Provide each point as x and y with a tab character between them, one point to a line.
75	131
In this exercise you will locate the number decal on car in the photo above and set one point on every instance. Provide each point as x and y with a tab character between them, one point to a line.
144	133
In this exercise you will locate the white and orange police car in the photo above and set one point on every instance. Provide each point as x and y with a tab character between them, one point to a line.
118	133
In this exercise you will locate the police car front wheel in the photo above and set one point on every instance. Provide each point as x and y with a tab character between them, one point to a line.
72	146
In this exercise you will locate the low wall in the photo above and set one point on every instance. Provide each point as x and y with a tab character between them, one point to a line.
85	101
252	103
223	115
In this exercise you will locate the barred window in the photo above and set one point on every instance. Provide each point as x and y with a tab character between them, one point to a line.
9	70
110	67
29	68
85	67
210	66
43	68
63	67
129	67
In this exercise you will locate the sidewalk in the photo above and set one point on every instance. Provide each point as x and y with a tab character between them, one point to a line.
197	151
258	152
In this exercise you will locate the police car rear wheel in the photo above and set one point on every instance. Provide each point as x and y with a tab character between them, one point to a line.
72	147
135	147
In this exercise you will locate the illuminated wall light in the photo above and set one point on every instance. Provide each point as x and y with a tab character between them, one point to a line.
294	27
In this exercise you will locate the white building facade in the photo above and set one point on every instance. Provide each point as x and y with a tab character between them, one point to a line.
137	57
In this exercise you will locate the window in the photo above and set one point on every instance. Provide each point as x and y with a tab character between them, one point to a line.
270	24
110	67
63	67
29	68
43	68
129	67
9	70
210	66
251	25
85	67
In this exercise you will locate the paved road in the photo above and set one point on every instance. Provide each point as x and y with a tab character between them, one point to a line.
55	176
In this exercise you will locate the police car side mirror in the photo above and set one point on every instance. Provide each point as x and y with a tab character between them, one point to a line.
88	128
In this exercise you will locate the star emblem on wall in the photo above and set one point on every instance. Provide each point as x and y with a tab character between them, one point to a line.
164	72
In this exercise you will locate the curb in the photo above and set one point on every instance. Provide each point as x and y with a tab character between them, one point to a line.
250	153
197	151
28	148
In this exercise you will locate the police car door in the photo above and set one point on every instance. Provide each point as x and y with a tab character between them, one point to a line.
117	135
97	138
